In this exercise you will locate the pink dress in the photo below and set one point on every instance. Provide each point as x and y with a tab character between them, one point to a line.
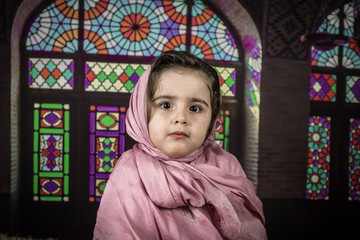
149	195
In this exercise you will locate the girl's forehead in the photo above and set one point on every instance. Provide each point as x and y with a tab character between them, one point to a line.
173	72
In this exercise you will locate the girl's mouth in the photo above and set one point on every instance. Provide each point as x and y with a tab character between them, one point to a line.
178	134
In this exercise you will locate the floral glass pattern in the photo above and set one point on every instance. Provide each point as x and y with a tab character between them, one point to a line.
354	159
210	39
107	143
138	28
318	167
56	28
51	152
351	51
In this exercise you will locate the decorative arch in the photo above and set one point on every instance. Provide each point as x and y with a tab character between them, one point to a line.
240	20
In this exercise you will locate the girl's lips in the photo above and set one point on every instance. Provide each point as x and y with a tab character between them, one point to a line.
178	135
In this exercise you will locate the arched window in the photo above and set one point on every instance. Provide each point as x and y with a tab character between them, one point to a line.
80	62
334	125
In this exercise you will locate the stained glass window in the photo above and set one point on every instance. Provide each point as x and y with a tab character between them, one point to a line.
322	87
353	89
51	73
107	143
210	38
56	28
112	77
127	36
318	167
336	88
51	152
223	129
354	160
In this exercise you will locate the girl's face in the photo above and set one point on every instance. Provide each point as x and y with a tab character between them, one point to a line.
180	112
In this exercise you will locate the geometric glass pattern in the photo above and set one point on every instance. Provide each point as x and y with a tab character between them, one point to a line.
353	89
318	166
351	51
227	78
51	73
112	77
134	27
51	152
324	57
107	143
354	160
223	129
56	28
322	87
331	23
210	39
351	55
349	19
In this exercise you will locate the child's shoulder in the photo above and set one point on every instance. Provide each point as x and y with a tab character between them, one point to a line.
225	160
126	162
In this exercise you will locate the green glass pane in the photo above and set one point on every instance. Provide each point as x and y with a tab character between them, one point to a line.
66	163
35	185
52	105
51	174
50	198
36	120
51	131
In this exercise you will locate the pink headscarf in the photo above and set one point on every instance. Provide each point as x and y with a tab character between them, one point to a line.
209	176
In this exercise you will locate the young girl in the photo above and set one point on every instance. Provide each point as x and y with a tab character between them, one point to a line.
176	183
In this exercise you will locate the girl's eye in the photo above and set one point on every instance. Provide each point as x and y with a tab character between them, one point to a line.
165	105
195	108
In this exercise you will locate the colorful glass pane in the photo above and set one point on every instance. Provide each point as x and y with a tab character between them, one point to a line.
353	89
254	65
112	77
354	160
331	23
318	167
51	152
56	28
351	55
223	129
107	143
51	73
137	28
227	78
349	19
210	38
323	57
322	87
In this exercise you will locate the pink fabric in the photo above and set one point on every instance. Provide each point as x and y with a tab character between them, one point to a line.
149	195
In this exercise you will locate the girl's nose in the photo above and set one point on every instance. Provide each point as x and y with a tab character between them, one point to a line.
180	118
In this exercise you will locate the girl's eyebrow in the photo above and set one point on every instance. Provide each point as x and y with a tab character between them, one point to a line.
200	101
168	97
